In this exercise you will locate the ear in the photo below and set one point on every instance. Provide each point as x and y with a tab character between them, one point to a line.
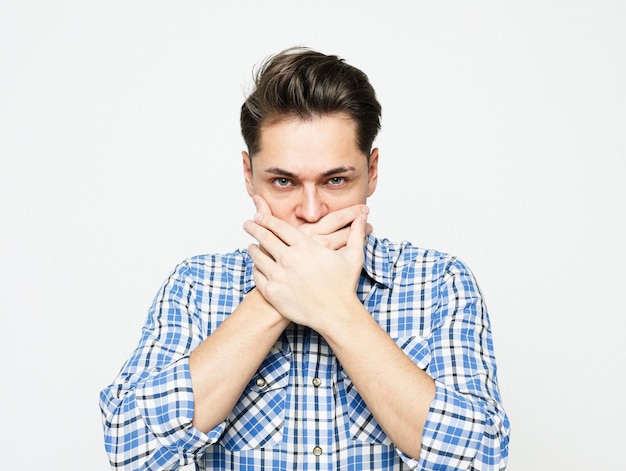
247	172
372	172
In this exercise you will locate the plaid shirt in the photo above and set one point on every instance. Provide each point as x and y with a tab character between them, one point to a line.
300	411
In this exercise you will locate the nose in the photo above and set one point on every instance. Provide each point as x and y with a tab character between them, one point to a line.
311	208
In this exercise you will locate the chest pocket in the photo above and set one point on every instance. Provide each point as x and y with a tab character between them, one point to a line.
257	419
363	425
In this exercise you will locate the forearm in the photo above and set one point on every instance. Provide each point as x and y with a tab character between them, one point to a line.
146	423
396	390
149	410
472	433
222	365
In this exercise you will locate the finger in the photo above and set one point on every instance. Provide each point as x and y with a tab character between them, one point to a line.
263	263
260	280
261	205
334	221
272	244
339	239
281	229
335	240
356	238
266	252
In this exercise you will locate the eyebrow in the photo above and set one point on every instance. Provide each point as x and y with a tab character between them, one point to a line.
328	173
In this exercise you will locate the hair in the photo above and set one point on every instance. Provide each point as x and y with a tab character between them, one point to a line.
301	83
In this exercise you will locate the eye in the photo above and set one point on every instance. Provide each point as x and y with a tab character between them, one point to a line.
337	180
281	182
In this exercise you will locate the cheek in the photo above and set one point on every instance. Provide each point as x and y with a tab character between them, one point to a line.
342	199
282	208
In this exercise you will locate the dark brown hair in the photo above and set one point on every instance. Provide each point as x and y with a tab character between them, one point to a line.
302	83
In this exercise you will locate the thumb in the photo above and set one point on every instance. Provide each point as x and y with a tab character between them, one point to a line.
358	232
261	205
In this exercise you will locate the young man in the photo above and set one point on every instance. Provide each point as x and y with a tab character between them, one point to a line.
322	346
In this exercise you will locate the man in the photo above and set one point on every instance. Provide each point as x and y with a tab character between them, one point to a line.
322	346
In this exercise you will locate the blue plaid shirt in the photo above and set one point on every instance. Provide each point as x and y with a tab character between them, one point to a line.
300	411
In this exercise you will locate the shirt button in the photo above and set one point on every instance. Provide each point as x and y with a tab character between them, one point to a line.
317	382
260	382
317	451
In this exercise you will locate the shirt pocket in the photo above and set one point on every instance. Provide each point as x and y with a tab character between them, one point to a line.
258	417
362	424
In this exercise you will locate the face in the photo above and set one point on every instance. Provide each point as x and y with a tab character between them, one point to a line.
307	169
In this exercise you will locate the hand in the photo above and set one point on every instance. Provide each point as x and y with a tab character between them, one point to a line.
304	280
331	231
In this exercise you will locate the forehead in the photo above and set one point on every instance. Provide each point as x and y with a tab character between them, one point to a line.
319	121
321	138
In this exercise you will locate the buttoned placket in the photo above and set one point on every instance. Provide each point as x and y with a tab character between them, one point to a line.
318	378
314	369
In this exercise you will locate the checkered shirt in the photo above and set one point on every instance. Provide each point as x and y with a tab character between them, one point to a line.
301	411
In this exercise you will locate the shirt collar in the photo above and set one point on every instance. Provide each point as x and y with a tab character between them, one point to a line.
248	280
376	265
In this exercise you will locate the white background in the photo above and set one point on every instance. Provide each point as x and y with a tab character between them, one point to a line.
503	142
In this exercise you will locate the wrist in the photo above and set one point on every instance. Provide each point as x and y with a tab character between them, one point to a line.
262	308
343	318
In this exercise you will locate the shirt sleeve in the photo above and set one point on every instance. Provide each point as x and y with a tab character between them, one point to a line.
467	427
147	410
